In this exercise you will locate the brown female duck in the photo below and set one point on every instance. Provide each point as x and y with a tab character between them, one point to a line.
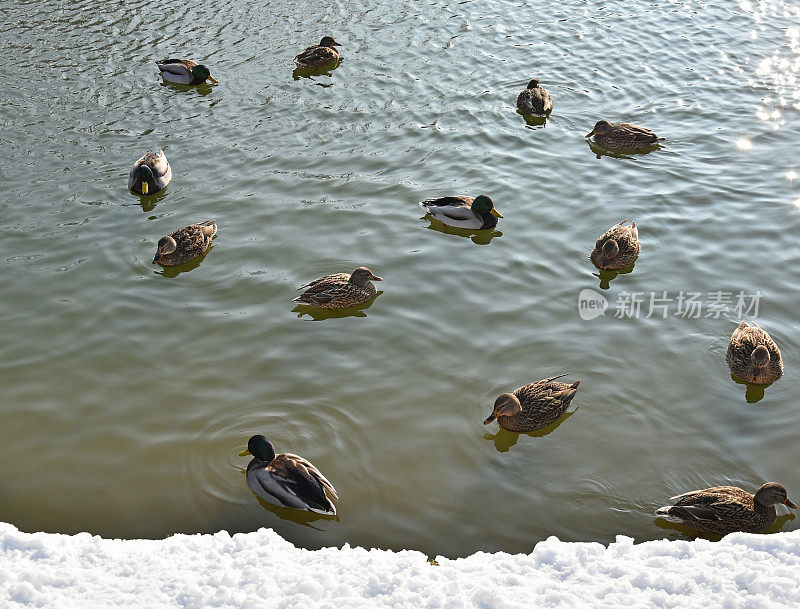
318	54
724	509
340	290
534	99
753	356
623	136
533	406
617	248
185	244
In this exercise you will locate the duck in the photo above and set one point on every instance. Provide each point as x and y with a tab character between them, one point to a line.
623	136
340	290
720	510
185	244
617	248
533	406
753	356
287	480
318	54
463	212
150	174
184	72
534	99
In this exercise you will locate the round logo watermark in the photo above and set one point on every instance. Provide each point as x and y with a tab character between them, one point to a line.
591	304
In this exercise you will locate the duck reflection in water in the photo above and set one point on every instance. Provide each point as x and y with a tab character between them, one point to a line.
606	277
504	439
317	314
310	73
173	271
752	393
683	532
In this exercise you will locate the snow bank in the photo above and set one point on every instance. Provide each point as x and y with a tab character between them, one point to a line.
262	570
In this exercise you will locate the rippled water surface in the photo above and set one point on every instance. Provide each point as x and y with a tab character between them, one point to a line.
129	392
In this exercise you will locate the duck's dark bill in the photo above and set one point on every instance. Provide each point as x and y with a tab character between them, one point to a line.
490	418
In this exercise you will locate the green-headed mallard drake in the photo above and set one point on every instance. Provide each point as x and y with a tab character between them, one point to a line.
184	72
534	99
150	174
753	356
318	54
533	406
617	248
185	244
287	480
724	509
623	136
340	290
463	212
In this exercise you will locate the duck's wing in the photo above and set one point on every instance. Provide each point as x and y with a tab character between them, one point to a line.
454	211
635	133
316	55
325	289
179	67
322	281
304	482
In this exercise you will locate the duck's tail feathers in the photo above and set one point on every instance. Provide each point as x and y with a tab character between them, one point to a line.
209	226
552	378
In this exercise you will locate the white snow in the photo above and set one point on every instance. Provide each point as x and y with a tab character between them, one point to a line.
262	570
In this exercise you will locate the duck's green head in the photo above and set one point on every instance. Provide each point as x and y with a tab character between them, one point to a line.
328	41
483	205
362	275
145	175
600	127
202	73
507	405
261	448
533	83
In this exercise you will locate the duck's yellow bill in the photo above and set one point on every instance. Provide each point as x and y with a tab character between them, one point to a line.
496	213
145	188
244	453
212	79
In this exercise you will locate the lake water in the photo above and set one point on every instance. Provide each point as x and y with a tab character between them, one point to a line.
129	392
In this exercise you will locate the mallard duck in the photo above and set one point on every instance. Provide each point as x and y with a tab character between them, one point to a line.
463	212
534	99
617	248
533	406
287	480
724	509
753	356
185	244
150	174
184	72
623	136
318	54
340	290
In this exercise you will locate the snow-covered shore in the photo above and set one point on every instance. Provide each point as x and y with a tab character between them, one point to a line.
261	569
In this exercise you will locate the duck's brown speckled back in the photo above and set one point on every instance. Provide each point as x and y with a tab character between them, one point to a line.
745	339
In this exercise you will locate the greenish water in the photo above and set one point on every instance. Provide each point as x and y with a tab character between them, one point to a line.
128	393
